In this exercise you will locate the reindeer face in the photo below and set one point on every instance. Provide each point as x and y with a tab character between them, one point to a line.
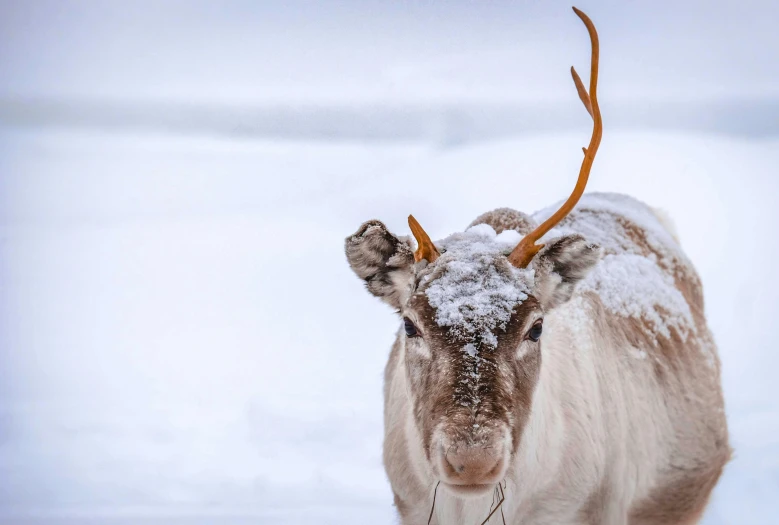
472	332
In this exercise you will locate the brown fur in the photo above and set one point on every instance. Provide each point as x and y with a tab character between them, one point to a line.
681	499
503	219
506	384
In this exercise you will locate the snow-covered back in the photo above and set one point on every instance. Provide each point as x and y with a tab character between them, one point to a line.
634	286
597	216
631	280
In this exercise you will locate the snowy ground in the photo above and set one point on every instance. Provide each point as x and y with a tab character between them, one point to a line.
181	340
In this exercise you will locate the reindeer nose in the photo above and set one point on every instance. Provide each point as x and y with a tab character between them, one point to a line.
473	465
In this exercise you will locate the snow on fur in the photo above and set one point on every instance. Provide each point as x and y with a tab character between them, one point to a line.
633	286
478	289
628	282
475	293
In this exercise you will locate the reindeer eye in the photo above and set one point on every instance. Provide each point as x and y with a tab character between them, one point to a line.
411	330
535	332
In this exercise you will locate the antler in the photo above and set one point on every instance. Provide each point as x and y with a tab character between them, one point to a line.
527	247
425	247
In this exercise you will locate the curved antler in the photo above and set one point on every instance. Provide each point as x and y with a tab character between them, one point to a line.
425	247
527	247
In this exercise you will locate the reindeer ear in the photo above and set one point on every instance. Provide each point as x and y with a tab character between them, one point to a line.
560	265
383	261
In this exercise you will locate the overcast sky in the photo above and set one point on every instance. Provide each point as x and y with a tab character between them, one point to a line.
368	51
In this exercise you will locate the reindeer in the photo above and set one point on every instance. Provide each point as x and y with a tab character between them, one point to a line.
613	416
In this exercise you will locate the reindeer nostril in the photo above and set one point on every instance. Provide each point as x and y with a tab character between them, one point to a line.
467	465
454	465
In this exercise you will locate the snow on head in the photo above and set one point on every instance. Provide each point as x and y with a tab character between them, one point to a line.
476	289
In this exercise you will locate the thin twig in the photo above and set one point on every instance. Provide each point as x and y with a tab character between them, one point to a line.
494	493
498	491
502	499
433	507
503	495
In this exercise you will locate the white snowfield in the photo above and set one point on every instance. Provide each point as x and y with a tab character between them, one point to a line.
182	341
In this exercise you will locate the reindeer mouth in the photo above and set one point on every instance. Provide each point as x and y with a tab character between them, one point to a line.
498	497
472	490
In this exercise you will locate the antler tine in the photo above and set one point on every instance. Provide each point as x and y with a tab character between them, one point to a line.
527	247
425	247
582	92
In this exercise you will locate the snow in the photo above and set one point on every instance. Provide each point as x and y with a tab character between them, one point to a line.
634	286
475	290
631	281
182	340
601	225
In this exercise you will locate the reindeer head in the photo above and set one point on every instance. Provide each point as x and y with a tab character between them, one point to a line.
472	308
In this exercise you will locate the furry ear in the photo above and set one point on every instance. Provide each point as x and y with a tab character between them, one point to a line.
560	265
383	261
